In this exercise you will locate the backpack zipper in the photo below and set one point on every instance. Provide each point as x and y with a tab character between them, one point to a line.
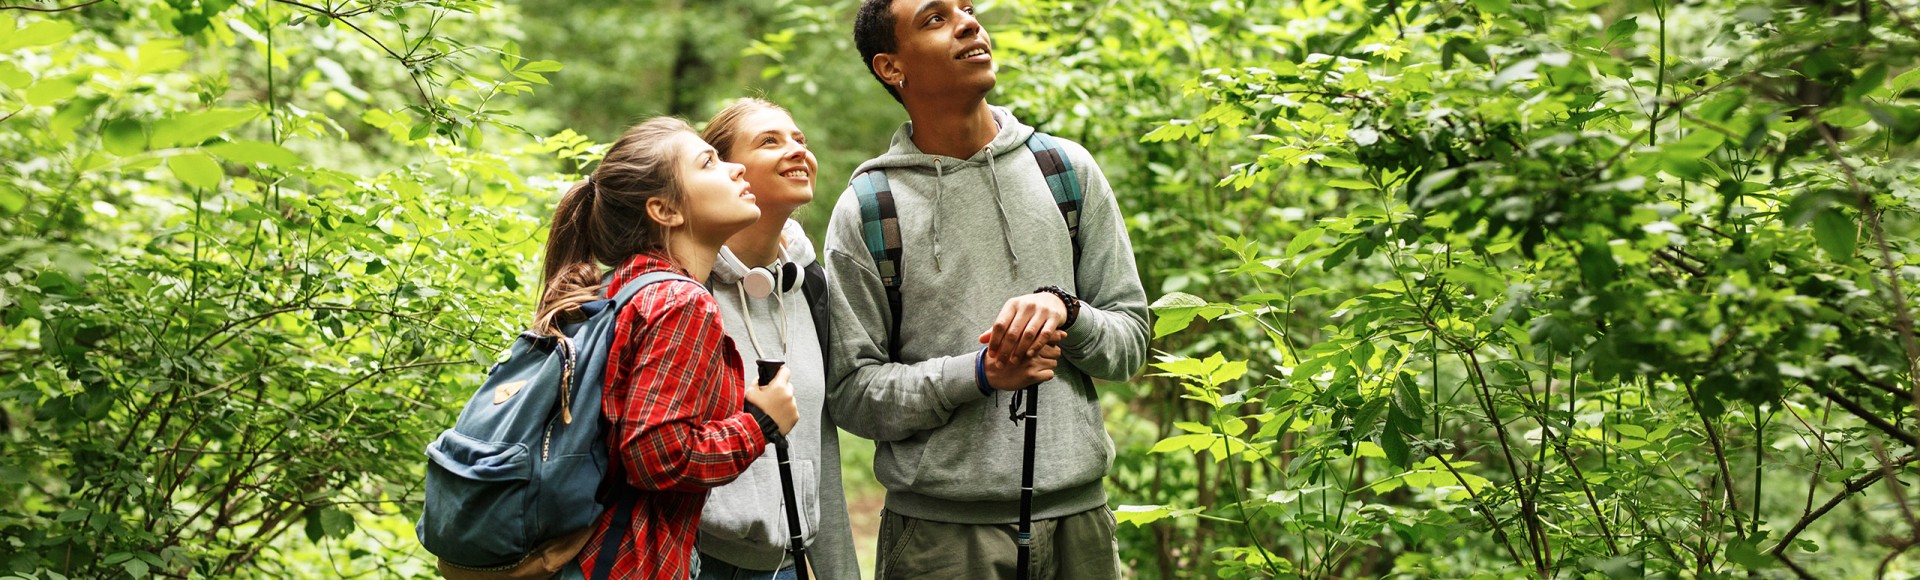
566	398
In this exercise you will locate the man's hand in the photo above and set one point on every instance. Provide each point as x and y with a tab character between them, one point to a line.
1017	370
1024	324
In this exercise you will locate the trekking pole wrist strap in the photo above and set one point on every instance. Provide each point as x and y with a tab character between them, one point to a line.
769	428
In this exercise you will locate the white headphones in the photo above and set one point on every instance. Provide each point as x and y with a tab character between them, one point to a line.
760	281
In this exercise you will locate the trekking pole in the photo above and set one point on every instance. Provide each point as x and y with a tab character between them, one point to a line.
768	368
1025	539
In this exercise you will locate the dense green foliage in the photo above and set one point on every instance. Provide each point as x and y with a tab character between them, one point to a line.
1617	287
1493	288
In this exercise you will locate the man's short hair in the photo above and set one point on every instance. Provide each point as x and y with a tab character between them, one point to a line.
873	35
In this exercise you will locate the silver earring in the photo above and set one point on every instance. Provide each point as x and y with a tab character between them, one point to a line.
903	83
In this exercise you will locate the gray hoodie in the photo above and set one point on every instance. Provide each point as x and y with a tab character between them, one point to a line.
744	522
976	232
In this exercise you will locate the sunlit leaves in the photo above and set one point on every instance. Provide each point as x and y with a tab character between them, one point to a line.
1141	515
203	257
35	33
195	169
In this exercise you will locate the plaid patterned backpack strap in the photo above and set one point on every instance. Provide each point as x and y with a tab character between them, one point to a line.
1061	179
880	229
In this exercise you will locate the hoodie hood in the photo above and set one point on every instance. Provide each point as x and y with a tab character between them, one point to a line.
903	156
728	269
902	152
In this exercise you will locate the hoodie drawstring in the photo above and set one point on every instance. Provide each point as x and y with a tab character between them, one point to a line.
940	190
1006	224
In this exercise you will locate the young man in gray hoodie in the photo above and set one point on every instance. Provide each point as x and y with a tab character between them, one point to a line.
985	258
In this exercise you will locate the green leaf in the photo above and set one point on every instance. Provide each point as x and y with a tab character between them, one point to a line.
541	66
1407	401
1190	442
314	527
160	55
196	169
1597	265
1141	515
1304	240
1395	445
196	128
1622	30
1174	311
1473	276
1868	80
1836	233
1900	123
1808	204
339	524
40	33
1350	184
256	152
123	137
12	75
1903	82
53	90
11	200
74	114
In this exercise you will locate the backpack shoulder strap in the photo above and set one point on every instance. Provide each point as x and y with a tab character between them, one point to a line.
1065	184
880	229
633	287
814	284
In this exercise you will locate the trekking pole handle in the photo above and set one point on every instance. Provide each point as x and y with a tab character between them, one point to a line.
795	544
768	367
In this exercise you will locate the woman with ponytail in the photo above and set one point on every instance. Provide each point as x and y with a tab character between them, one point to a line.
759	281
681	420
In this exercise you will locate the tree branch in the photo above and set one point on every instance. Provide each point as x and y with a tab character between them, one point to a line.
1901	316
1855	485
409	62
1865	415
60	9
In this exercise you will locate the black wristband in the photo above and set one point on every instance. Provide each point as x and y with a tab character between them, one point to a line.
1072	303
768	428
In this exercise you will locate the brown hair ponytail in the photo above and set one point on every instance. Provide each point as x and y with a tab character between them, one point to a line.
602	222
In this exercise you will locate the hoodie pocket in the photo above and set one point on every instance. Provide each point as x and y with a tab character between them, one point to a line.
748	508
753	508
806	485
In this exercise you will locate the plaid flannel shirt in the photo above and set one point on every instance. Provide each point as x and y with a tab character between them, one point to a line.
675	397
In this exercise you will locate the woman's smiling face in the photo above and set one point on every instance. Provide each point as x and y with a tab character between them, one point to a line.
779	167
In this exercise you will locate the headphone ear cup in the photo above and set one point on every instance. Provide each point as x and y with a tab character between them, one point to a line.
789	276
758	282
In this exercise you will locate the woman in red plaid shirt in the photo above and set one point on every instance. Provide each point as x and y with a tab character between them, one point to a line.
681	420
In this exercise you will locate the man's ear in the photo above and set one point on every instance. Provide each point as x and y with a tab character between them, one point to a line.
662	212
888	67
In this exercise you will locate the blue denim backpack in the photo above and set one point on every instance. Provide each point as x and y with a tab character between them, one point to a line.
525	462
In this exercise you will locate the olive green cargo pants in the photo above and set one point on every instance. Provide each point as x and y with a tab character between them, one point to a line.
1076	547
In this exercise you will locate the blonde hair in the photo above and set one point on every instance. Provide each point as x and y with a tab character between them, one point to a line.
725	126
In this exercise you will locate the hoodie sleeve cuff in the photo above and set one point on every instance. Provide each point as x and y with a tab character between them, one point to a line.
960	383
1081	335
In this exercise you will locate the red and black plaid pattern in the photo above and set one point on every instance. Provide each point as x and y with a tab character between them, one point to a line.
674	397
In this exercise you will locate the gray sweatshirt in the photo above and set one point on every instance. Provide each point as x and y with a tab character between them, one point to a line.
744	522
976	232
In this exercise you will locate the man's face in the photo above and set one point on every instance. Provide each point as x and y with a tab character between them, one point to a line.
942	48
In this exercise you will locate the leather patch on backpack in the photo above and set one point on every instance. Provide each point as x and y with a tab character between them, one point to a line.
507	391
